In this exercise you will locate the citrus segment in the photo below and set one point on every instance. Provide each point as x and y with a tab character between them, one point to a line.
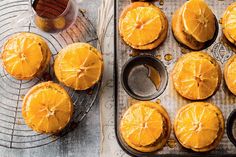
229	22
47	108
199	126
145	126
143	26
180	35
25	55
79	66
230	74
161	37
196	76
22	57
138	23
199	21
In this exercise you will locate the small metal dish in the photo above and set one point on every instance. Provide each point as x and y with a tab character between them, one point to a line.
231	122
136	80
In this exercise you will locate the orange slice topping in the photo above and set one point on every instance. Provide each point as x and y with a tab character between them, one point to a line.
141	25
229	21
230	74
199	21
47	108
79	66
196	76
142	125
197	125
22	56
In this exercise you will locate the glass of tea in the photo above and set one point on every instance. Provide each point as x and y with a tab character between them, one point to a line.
51	16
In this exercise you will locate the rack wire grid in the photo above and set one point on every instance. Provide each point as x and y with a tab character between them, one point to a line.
14	133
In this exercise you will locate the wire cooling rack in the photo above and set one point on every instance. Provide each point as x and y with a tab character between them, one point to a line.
14	133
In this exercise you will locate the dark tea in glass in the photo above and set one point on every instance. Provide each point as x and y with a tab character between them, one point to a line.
54	15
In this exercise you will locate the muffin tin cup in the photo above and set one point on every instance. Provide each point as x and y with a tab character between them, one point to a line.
207	44
144	60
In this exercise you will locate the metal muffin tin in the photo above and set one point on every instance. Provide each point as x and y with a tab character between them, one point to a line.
170	98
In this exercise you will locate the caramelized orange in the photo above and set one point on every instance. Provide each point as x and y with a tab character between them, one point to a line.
230	74
79	66
145	126
25	55
229	24
140	19
196	76
194	24
199	126
199	21
47	108
138	23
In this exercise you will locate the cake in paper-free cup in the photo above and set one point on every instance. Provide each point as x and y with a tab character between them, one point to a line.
25	55
143	26
47	108
199	126
229	23
145	126
196	76
79	66
230	74
194	24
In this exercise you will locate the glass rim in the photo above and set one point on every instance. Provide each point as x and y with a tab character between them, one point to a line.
50	19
